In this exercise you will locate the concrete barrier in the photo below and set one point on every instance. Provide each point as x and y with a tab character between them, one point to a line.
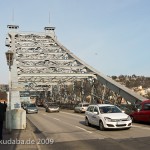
17	119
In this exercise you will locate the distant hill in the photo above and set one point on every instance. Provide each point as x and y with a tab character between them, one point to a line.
134	82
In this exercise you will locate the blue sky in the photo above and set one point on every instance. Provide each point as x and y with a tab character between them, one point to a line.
113	36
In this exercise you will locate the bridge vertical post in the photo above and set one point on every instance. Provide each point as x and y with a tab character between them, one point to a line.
17	116
9	57
91	80
82	90
104	92
73	91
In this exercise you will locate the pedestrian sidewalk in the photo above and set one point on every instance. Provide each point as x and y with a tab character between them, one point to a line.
19	139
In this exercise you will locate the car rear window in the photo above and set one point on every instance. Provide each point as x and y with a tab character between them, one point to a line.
80	105
85	105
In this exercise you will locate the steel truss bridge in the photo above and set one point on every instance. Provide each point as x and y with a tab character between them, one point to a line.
43	65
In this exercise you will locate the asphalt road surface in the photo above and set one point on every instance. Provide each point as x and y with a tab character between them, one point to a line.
67	131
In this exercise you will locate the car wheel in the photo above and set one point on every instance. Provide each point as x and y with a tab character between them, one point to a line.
101	126
87	122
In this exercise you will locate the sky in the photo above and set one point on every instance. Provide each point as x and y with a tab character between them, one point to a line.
112	36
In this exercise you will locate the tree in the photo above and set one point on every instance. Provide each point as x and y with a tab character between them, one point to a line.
148	95
3	95
114	77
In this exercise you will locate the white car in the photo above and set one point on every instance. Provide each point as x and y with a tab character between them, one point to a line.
81	107
107	116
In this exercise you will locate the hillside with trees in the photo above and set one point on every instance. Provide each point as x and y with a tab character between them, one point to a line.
133	82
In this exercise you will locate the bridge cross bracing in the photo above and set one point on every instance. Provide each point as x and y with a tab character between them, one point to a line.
41	61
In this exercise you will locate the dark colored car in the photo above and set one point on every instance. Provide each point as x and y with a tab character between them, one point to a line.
52	107
142	112
31	108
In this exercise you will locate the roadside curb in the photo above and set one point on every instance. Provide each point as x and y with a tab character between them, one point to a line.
30	128
20	139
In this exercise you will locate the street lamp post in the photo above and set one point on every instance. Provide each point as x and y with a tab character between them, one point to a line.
9	57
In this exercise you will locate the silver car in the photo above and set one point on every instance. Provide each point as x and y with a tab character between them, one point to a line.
81	107
52	107
31	108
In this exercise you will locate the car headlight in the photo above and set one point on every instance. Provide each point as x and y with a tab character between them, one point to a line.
129	118
107	119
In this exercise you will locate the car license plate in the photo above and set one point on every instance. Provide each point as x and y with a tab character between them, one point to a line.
120	122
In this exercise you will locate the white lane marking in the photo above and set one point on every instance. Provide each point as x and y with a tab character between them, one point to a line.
52	117
141	127
72	114
83	129
70	124
56	119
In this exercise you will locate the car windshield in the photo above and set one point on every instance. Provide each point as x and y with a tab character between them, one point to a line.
31	105
53	105
109	109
